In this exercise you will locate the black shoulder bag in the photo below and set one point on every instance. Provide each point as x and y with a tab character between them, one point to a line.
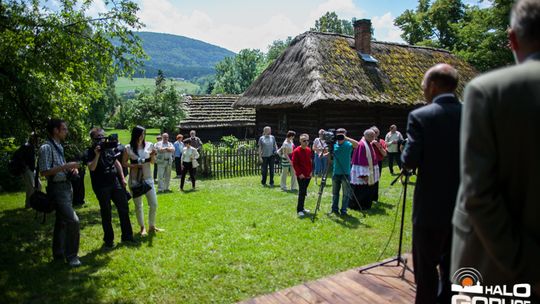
39	200
141	187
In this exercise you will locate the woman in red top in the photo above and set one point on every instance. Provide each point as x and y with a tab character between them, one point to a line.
301	159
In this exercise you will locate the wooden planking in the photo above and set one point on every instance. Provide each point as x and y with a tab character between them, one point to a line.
293	296
382	284
309	295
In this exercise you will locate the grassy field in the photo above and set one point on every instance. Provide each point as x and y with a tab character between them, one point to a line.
124	84
227	241
125	135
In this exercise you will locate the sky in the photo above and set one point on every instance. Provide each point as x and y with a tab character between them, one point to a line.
254	24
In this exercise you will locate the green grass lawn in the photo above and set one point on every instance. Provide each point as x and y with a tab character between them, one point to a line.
227	241
125	135
124	84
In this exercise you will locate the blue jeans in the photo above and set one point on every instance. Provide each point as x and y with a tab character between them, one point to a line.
339	181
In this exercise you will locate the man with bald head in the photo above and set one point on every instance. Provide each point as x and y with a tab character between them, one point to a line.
496	226
433	148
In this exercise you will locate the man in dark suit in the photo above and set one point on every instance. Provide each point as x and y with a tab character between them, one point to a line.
433	148
496	226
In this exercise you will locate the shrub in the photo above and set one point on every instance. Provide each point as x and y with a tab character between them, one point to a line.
7	181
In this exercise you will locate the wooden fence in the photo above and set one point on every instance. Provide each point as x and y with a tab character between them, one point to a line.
227	163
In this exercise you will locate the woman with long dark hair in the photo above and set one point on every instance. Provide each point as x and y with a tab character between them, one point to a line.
138	155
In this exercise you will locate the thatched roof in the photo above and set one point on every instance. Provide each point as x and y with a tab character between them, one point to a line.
322	67
209	111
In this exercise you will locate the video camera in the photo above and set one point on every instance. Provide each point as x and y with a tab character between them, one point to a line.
109	142
330	137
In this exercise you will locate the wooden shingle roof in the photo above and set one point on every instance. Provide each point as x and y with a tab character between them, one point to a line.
323	67
215	111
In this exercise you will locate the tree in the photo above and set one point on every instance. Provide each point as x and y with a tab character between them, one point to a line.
57	62
159	109
160	82
475	34
103	106
431	24
330	23
235	75
277	48
226	77
482	36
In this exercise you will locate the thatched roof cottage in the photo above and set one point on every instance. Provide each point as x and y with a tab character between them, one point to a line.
327	80
213	116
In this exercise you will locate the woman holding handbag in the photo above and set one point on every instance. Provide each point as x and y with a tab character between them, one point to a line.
138	155
189	163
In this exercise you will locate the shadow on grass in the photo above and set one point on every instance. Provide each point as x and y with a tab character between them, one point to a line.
348	221
28	273
379	208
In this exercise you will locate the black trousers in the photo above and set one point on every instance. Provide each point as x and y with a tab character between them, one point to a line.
303	184
391	157
376	186
267	165
188	166
78	188
118	195
431	249
363	197
155	171
178	165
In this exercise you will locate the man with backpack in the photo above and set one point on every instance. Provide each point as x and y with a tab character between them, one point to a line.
23	163
53	166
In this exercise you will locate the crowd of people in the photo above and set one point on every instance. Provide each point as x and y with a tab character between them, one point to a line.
117	173
356	165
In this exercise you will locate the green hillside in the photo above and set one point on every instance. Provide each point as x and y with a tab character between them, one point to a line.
124	84
180	57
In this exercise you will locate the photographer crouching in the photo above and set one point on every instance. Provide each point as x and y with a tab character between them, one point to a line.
109	184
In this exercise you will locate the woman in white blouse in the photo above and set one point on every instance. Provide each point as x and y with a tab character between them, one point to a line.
138	155
189	163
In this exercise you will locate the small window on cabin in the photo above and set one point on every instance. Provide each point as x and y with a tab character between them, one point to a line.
282	123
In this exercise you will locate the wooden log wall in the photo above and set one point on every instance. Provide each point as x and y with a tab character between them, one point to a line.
354	118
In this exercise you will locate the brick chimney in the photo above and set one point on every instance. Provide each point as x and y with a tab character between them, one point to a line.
362	36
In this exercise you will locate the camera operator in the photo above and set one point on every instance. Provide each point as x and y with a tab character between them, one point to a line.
109	184
343	149
53	166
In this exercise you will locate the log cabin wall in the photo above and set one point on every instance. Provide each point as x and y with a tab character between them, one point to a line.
354	118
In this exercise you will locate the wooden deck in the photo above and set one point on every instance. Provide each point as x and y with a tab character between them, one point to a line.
382	284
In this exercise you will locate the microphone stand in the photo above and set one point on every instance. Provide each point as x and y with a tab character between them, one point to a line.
399	258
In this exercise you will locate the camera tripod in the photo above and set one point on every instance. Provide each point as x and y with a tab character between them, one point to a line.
404	176
323	184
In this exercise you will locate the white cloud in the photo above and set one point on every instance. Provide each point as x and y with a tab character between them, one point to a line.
236	34
163	16
385	30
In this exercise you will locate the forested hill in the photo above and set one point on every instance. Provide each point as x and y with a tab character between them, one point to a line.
179	56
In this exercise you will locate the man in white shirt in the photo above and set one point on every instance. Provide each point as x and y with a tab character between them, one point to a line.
393	139
165	150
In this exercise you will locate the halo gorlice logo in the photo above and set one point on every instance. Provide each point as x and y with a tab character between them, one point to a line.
469	281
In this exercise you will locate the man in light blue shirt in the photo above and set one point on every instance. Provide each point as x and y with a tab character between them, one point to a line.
343	149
